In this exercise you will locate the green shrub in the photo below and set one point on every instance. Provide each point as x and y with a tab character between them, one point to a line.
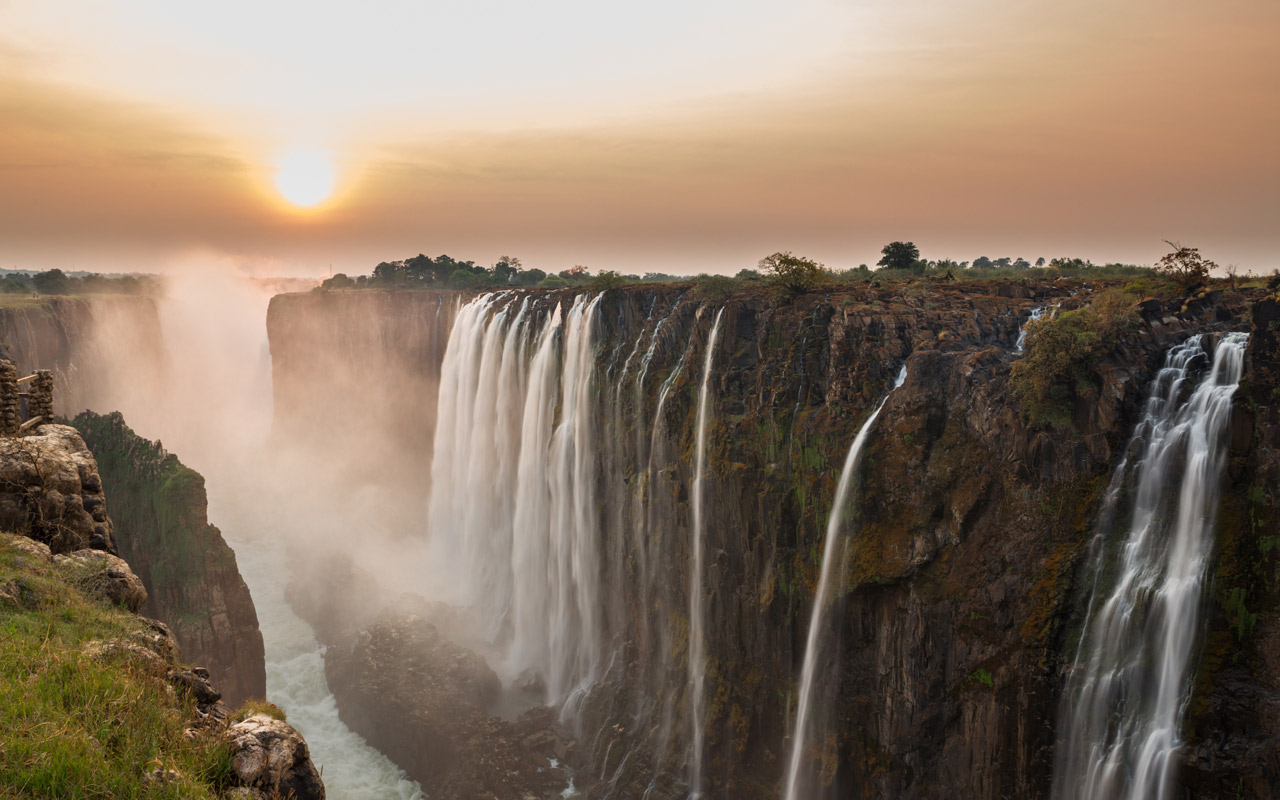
553	281
253	707
713	288
1060	364
608	279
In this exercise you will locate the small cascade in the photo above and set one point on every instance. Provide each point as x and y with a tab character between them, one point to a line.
512	504
801	734
697	632
1127	692
1036	313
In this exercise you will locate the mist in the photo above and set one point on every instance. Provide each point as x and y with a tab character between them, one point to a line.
198	378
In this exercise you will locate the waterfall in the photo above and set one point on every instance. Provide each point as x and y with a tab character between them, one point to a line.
512	504
697	633
804	702
1127	691
1036	313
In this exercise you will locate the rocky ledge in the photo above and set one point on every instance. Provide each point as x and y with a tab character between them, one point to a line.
267	757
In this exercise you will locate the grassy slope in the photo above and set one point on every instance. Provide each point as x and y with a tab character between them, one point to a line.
74	725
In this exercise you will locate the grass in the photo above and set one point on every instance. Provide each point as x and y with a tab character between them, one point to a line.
75	725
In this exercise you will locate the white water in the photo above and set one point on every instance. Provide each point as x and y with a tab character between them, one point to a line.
804	704
1036	313
512	516
697	632
1127	692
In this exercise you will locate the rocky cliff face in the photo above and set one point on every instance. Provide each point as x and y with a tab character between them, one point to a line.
958	595
189	571
1234	727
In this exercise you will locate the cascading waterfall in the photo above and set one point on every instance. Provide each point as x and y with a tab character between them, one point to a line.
1127	692
1036	313
512	502
800	734
697	633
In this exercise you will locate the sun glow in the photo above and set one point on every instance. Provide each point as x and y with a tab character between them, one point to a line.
305	177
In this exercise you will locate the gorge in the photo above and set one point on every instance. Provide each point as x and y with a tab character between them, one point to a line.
629	506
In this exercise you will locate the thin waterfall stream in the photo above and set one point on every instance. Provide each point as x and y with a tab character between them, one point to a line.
800	734
1128	689
697	622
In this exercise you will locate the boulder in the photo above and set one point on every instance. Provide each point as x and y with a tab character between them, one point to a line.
108	577
270	756
50	490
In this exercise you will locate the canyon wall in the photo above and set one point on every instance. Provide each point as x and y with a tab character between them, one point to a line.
958	598
190	573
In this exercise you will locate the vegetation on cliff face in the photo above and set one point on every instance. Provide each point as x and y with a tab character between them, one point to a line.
76	721
1062	356
189	571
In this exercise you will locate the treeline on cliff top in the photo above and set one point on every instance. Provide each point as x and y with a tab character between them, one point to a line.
57	282
899	261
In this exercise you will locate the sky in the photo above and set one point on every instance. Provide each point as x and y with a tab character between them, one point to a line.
679	137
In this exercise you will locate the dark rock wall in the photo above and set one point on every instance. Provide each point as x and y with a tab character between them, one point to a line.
1234	725
163	532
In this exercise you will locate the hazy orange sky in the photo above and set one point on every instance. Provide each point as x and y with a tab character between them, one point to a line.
664	136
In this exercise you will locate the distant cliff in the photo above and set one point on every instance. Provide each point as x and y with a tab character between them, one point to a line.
82	339
355	374
163	531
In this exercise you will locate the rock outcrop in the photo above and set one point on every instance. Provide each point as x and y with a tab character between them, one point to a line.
271	759
50	490
160	509
422	699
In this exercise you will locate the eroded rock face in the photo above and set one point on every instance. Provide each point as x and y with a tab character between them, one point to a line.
269	756
51	491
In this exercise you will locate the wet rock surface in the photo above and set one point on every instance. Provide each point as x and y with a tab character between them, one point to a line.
423	701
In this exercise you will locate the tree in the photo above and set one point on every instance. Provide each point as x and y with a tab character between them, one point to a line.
530	277
53	281
339	281
982	262
575	273
793	273
1003	263
1040	261
748	275
898	255
607	279
1021	263
1185	265
505	270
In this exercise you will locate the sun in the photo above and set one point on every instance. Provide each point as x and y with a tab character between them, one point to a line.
305	177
